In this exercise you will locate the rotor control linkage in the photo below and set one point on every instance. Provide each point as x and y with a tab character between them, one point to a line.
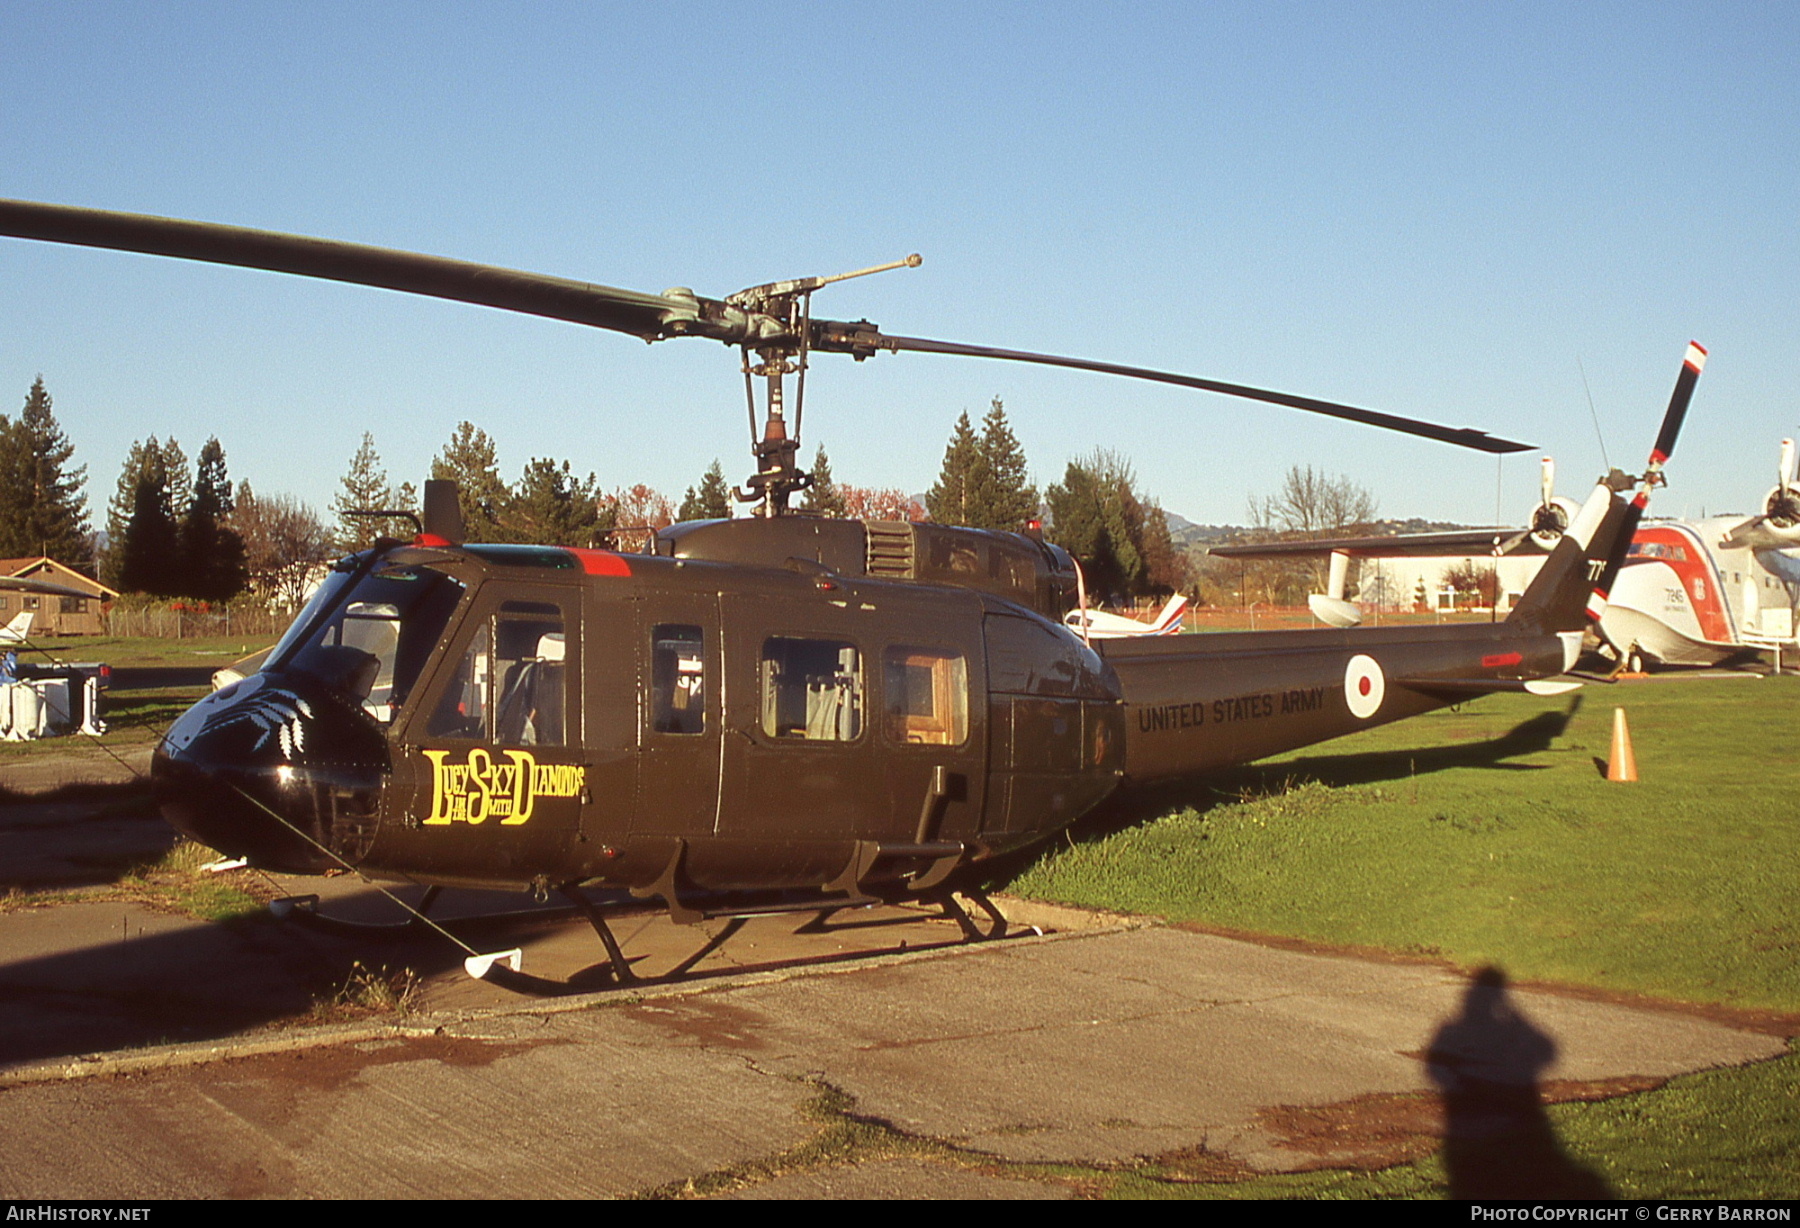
778	476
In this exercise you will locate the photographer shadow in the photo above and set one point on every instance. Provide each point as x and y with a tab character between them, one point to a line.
1498	1142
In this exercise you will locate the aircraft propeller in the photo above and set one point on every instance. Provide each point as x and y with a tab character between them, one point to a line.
1782	509
1551	518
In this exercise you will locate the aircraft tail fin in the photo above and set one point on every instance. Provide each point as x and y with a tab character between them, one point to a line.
1571	589
15	631
1169	621
1563	596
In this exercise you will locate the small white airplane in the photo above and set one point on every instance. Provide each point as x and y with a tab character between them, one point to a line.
15	631
1099	625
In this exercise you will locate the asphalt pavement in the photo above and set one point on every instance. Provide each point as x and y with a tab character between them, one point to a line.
145	1054
952	1072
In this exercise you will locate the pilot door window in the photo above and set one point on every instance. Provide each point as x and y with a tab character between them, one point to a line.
677	679
510	685
925	696
374	639
812	690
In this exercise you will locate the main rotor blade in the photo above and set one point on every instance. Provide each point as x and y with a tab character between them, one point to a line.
649	316
1464	437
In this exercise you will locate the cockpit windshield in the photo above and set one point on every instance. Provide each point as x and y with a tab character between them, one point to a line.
369	637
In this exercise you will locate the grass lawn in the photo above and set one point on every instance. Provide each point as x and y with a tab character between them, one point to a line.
136	651
133	717
1486	836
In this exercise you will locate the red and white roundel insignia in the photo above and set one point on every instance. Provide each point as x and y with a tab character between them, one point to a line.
1363	686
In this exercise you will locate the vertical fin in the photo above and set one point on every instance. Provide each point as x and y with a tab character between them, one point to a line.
1577	578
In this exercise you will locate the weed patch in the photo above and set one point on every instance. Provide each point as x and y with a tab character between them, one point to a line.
367	992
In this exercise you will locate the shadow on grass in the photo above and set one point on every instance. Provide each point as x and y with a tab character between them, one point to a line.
1134	806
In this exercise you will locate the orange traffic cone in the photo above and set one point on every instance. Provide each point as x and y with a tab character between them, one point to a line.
1623	764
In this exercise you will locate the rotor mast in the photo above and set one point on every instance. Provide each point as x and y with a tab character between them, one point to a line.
778	474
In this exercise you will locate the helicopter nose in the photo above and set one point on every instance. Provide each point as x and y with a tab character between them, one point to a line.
275	769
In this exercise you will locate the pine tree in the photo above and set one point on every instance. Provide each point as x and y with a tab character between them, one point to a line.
42	507
951	500
180	476
212	553
471	461
364	488
1166	568
150	554
12	486
144	457
1096	516
822	496
1005	498
552	507
712	501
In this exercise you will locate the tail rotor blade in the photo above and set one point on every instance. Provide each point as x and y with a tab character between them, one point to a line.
1634	513
1691	366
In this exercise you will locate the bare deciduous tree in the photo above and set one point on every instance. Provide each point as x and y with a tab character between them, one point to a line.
871	503
284	541
1310	504
1313	503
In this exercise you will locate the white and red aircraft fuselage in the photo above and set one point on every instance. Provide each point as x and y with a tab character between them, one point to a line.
1701	592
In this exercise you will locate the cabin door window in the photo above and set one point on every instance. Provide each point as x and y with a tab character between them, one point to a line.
510	685
925	696
812	690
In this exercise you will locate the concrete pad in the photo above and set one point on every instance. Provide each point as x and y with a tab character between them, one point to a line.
77	760
1084	1048
421	1118
78	842
106	972
1102	1048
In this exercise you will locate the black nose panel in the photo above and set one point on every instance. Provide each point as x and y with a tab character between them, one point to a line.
276	768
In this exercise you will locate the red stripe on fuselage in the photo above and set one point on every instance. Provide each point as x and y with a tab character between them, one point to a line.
1694	569
601	562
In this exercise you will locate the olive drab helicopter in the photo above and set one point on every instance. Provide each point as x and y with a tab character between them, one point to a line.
776	712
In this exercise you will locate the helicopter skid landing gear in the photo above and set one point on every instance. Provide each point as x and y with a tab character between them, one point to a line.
304	910
954	910
507	975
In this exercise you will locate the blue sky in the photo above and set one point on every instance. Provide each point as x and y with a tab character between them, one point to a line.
1444	211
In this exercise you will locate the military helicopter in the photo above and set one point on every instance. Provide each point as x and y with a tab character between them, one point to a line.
778	712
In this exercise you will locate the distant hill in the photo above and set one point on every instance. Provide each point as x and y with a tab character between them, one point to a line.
1191	536
1184	532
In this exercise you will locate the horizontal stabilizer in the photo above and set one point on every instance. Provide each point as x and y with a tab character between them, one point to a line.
1465	688
1501	540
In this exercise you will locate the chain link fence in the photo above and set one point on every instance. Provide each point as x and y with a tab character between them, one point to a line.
189	621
